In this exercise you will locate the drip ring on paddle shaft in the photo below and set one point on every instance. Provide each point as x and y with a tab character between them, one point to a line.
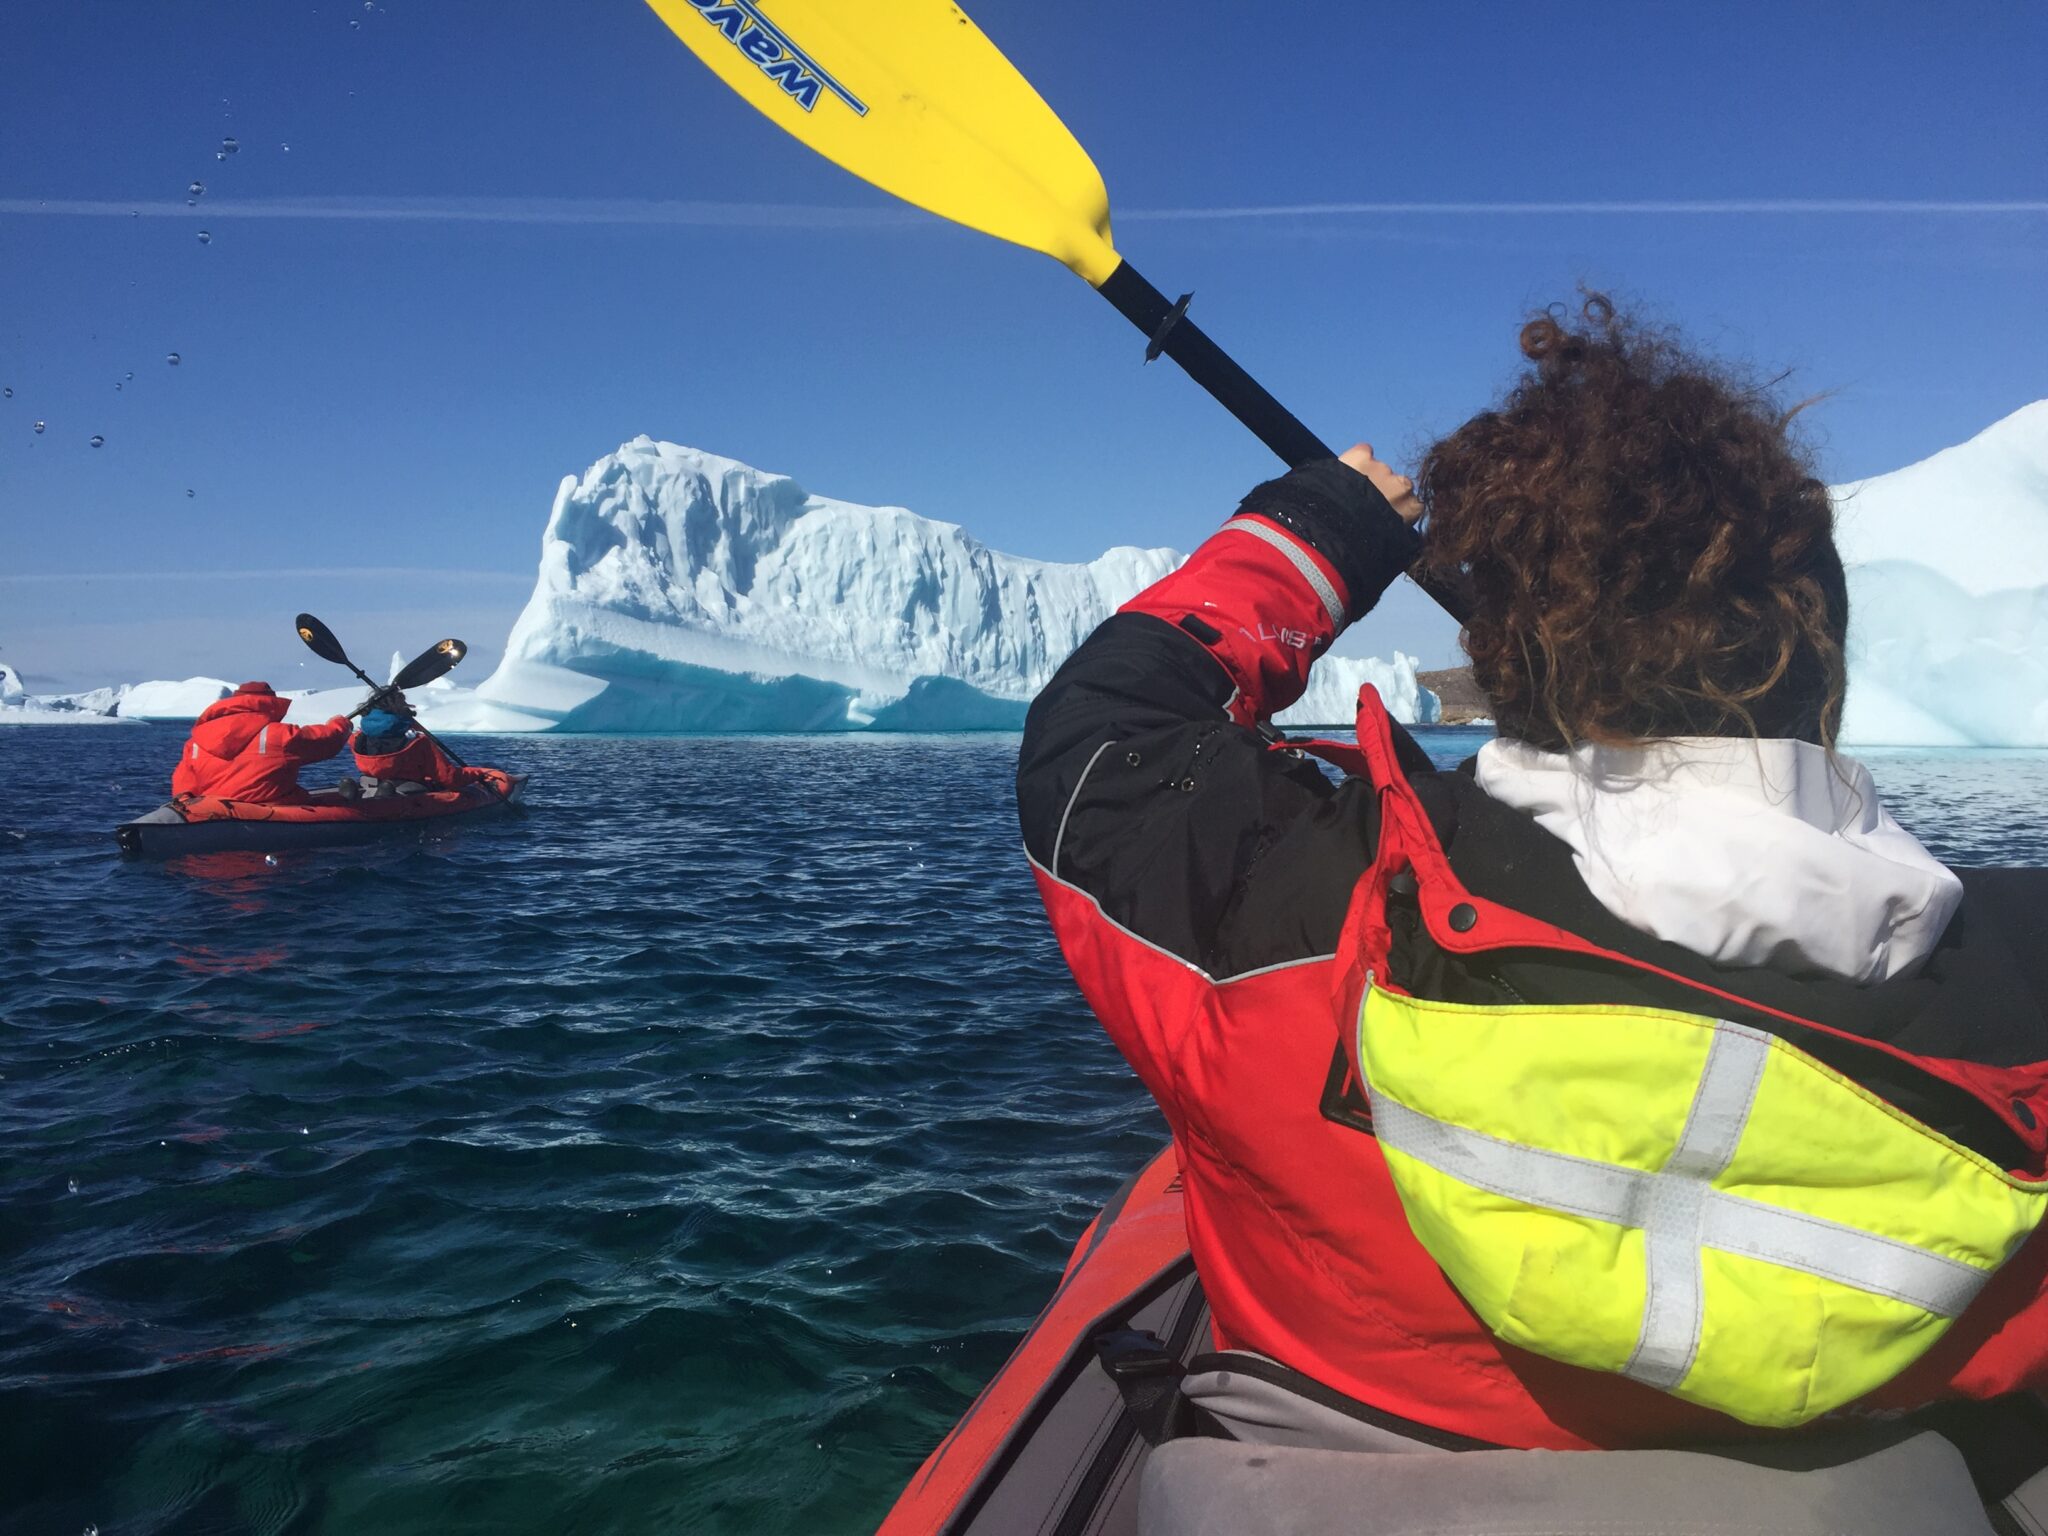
1158	342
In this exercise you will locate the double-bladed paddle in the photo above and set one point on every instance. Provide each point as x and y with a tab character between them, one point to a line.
912	96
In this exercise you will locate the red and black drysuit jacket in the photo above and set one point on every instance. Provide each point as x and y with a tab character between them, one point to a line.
240	749
1198	877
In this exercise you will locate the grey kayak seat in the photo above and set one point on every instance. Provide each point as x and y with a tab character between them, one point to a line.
1258	1401
2025	1509
373	788
1918	1486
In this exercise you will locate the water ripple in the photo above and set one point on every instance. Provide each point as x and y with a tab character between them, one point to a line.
685	1154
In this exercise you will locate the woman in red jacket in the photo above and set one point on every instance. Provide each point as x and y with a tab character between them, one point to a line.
1640	1082
241	749
389	750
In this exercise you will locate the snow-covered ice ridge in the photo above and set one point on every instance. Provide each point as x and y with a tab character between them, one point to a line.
681	591
131	702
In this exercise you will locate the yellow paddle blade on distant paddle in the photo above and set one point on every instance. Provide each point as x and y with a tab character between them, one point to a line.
910	95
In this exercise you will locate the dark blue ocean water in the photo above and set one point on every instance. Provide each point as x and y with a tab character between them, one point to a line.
681	1156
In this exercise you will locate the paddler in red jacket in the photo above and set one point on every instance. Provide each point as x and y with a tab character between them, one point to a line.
389	750
1640	1082
240	749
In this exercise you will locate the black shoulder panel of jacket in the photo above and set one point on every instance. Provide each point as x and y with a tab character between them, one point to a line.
1186	828
1345	517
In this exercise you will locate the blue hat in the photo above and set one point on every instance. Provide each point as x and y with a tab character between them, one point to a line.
381	722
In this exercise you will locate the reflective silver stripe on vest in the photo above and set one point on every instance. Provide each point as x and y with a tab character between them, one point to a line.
1299	558
263	741
1680	1212
1674	1224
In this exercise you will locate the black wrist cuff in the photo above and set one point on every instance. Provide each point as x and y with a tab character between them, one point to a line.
1339	512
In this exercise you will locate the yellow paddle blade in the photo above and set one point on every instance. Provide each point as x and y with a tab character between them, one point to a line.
910	95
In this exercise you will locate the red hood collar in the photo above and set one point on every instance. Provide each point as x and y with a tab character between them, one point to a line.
266	705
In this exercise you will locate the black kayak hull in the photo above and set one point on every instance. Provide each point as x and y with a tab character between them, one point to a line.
167	832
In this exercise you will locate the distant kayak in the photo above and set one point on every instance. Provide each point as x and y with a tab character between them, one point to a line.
202	824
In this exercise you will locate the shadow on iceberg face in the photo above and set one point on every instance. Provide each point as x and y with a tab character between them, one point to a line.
674	698
947	704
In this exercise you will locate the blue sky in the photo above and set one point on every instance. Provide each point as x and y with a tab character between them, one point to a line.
508	235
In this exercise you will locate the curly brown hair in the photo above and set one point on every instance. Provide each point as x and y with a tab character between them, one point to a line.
1646	549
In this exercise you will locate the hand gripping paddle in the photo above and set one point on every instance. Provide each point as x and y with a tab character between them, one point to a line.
911	96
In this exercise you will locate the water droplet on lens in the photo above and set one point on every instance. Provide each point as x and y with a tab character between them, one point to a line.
71	1186
197	189
286	148
188	493
117	383
228	146
270	859
173	359
9	392
357	26
220	154
40	425
205	238
97	441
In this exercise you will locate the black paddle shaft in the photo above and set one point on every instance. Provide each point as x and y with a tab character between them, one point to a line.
1171	332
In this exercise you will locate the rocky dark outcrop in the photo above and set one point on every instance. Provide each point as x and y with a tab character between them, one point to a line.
1458	694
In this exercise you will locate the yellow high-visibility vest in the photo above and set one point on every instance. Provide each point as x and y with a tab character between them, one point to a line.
1693	1203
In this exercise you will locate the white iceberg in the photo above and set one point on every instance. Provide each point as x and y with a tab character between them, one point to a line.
1332	697
185	700
128	702
1948	594
20	707
681	591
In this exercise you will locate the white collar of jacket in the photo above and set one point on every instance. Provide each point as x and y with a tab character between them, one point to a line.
1764	853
